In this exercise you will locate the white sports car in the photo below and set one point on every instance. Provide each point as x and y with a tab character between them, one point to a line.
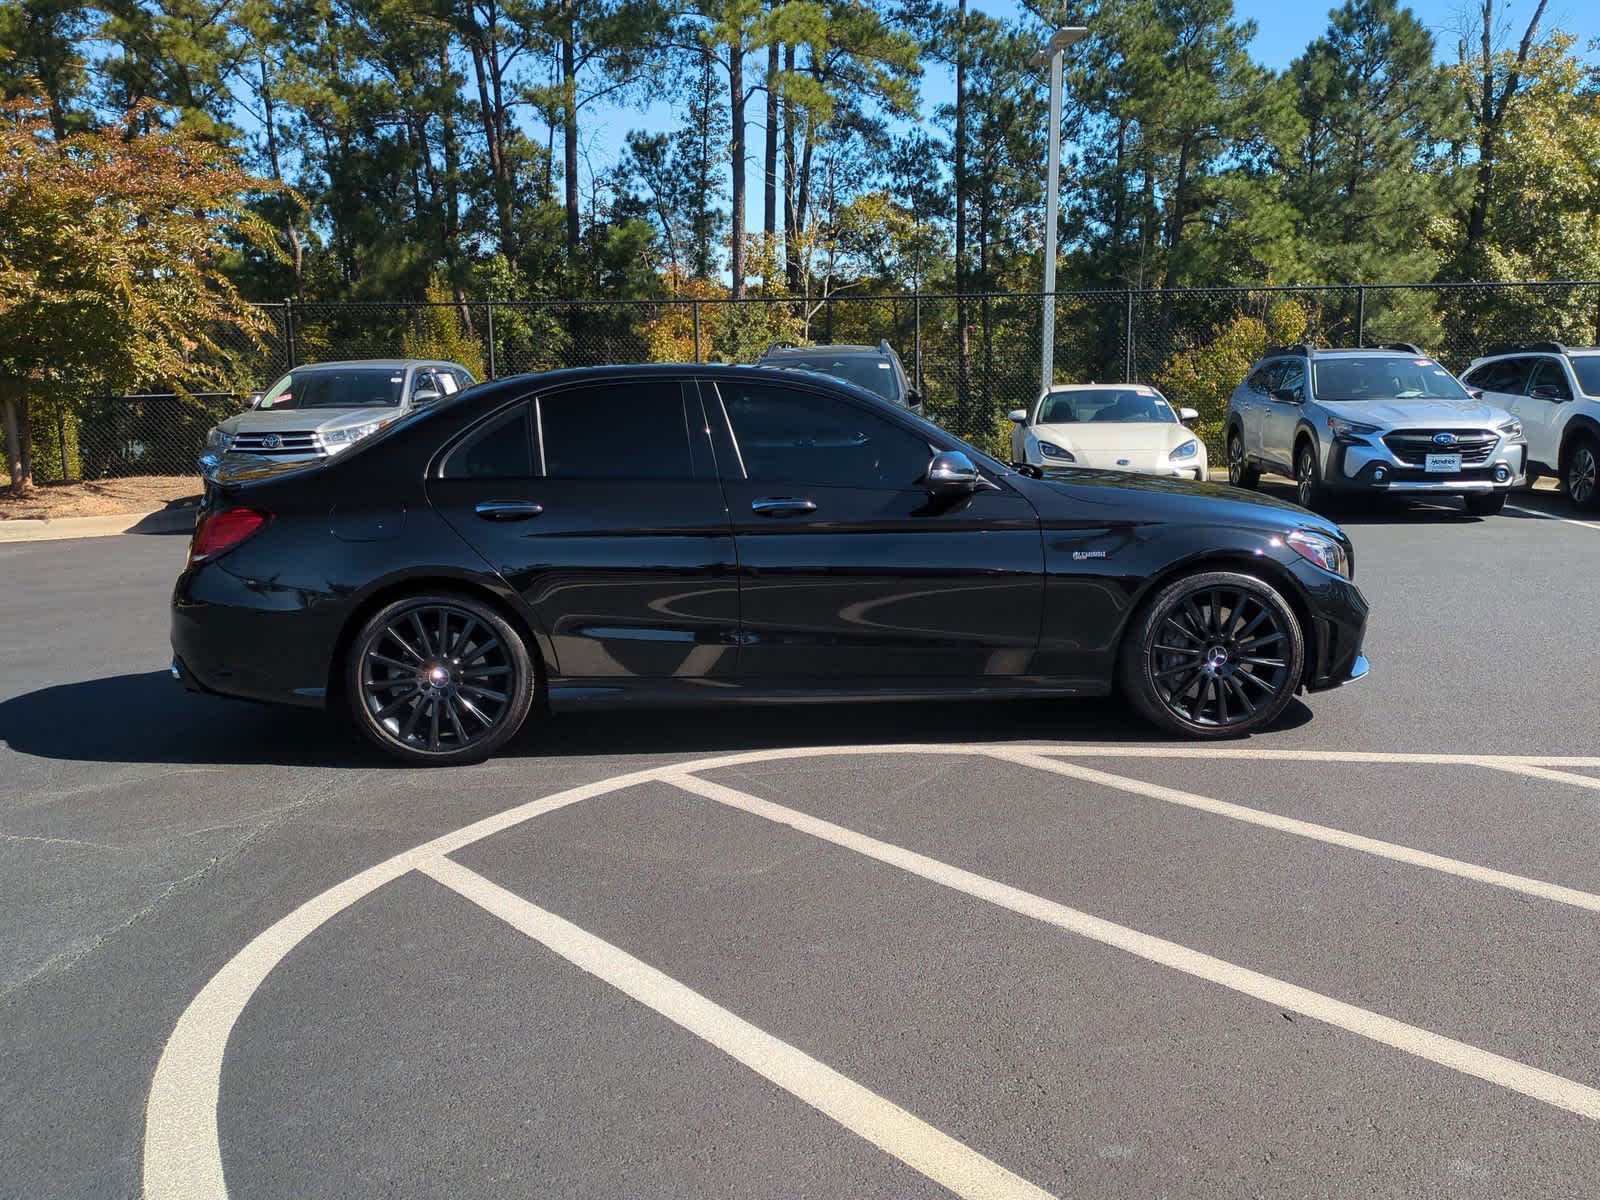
1109	427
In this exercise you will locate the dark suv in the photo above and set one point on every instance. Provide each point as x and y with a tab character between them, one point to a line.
878	369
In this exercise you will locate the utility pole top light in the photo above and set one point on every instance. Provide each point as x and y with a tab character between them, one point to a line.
1059	41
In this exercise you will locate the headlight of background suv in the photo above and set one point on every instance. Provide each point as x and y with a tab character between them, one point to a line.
218	440
1188	450
1512	428
1324	551
339	439
1340	428
1051	450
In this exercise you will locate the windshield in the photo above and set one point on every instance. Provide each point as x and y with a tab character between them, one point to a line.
874	374
352	387
1387	378
1587	369
1131	405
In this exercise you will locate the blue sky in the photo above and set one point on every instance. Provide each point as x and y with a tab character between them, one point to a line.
1283	30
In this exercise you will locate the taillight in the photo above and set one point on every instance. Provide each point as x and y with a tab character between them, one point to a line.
218	532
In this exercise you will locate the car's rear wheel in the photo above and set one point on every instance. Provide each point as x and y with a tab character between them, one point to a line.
1485	504
439	679
1240	473
1214	655
1579	480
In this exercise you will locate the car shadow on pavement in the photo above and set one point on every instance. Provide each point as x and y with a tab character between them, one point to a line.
148	718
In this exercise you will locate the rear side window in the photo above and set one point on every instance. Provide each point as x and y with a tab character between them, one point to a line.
500	449
630	429
1587	369
794	436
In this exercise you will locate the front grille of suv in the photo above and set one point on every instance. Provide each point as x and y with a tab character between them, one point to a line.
1412	446
291	441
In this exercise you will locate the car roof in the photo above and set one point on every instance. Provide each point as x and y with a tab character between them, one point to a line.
391	364
1094	387
565	376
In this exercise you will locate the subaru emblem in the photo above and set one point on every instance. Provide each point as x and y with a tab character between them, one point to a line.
1445	438
1122	462
271	442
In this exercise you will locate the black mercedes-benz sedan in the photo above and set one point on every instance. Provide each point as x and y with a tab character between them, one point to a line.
662	534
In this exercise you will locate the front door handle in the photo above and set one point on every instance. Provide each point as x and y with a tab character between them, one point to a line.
782	506
508	510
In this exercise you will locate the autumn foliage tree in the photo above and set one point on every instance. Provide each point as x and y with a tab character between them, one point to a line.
113	243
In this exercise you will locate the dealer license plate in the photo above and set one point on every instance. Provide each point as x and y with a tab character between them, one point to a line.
1442	464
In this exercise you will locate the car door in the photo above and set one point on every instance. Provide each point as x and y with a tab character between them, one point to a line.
1504	383
600	504
849	570
1281	409
1246	402
1541	409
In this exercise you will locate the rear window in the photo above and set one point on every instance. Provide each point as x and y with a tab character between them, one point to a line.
501	449
1387	378
346	387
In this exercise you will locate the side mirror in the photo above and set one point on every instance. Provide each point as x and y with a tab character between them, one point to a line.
913	398
1546	392
254	399
1284	395
1188	414
952	473
1019	415
1475	393
426	396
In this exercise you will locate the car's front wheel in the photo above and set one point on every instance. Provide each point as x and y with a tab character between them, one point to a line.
439	679
1240	473
1214	655
1307	480
1579	480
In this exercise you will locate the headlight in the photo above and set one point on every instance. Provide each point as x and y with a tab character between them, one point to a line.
1188	450
1327	553
1512	429
1340	428
1051	450
338	439
218	440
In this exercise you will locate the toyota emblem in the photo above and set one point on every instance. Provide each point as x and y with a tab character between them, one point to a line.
271	442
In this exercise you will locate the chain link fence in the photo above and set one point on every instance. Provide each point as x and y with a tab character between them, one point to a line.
974	357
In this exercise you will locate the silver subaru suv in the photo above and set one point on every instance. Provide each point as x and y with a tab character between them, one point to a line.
1374	419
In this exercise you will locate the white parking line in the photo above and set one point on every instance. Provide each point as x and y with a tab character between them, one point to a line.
182	1153
1458	1056
1321	833
891	1128
1534	512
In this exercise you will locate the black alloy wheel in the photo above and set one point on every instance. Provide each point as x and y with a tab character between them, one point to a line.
1240	473
439	679
1213	656
1579	479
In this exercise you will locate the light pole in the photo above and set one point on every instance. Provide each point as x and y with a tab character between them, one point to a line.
1059	41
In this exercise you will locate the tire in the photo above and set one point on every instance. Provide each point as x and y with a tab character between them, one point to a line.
439	679
1193	641
1240	473
1485	504
1308	491
1580	475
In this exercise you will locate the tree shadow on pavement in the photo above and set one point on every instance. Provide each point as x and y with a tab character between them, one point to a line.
150	719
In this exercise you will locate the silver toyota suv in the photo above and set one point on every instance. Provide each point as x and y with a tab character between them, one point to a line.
319	409
1374	419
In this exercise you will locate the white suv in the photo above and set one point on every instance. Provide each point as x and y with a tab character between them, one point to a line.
1555	391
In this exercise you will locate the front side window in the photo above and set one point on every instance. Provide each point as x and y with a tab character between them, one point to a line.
793	436
1136	405
1291	379
345	387
629	429
1390	377
1549	376
502	448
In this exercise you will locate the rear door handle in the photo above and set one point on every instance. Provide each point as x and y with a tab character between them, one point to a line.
508	510
782	506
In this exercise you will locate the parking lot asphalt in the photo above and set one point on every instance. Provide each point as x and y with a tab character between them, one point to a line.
1001	949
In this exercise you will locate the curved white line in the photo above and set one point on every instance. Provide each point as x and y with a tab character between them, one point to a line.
182	1151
